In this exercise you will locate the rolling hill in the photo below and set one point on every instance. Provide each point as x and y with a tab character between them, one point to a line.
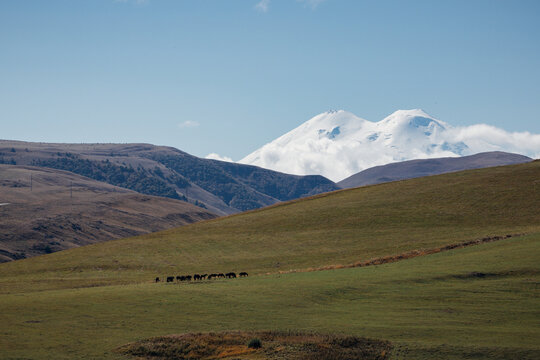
342	227
476	302
426	167
221	187
46	210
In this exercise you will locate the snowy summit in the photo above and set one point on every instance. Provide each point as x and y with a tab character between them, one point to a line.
337	144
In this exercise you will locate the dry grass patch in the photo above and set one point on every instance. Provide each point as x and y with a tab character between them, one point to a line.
275	345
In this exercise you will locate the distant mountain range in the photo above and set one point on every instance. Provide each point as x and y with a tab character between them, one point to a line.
221	187
338	144
45	210
425	167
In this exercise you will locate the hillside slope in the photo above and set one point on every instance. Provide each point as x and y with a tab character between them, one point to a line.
46	210
426	167
221	187
335	228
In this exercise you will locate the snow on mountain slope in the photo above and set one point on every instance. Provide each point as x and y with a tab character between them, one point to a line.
337	144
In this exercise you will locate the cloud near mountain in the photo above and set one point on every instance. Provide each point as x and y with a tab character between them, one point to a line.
337	144
214	156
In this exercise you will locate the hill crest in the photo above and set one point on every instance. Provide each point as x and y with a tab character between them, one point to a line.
427	167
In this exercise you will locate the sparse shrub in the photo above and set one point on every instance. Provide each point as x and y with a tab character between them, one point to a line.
255	343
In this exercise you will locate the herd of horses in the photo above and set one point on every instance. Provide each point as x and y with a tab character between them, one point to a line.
196	277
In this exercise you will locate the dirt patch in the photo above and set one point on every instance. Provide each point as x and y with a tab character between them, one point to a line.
275	345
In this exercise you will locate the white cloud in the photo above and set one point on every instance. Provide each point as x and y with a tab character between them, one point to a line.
262	6
214	156
482	137
188	124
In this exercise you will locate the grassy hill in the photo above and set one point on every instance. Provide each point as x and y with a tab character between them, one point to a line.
479	302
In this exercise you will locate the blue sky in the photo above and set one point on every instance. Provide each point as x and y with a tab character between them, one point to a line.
228	76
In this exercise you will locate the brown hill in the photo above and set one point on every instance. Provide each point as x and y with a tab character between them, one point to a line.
221	187
427	167
46	210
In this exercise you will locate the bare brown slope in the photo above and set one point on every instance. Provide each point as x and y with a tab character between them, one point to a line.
45	210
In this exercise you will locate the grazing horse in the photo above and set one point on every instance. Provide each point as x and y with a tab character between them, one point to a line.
230	275
220	275
188	277
170	278
203	276
211	276
157	279
243	273
196	277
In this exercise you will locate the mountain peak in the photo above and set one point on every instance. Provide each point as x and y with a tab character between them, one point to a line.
410	112
337	143
414	119
334	118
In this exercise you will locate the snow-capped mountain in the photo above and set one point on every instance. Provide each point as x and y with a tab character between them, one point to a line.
337	144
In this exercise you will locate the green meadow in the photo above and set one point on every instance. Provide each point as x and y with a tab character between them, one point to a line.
427	305
479	302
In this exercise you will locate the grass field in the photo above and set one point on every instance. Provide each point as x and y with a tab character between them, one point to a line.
480	302
423	305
